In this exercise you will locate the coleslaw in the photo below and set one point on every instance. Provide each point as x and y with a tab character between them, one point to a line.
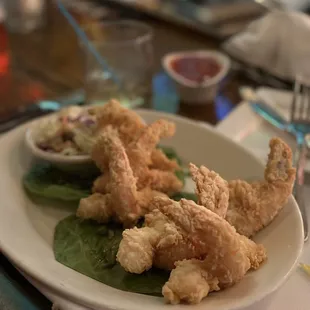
69	132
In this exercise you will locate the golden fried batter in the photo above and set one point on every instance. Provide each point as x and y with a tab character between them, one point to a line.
212	191
120	200
123	191
253	206
126	121
102	184
161	162
178	231
139	153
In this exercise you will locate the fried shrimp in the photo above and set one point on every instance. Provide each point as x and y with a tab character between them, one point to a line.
126	121
253	206
139	153
120	199
212	191
140	156
198	240
123	194
161	162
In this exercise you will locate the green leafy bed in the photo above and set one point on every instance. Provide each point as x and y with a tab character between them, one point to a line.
86	246
49	182
90	249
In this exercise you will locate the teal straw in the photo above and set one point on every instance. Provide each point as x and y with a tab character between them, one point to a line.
82	35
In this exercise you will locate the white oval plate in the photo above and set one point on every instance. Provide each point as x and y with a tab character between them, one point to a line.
26	228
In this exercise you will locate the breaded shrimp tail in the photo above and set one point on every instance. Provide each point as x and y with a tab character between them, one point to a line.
252	206
140	155
205	250
115	192
211	189
123	195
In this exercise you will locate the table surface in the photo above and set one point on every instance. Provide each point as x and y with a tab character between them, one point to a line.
47	64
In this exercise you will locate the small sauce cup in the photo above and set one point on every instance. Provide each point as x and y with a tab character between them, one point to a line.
197	74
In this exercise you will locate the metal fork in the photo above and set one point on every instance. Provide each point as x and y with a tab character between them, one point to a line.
300	119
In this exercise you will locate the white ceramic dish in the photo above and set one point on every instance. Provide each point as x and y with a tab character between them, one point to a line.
64	162
189	91
26	227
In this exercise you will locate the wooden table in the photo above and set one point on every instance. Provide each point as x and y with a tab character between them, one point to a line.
48	63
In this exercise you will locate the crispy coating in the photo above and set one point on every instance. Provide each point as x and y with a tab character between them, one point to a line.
96	207
144	198
163	181
178	231
212	191
141	243
123	185
253	206
189	282
101	207
123	191
160	181
139	154
201	229
126	121
140	150
102	184
119	198
161	162
206	245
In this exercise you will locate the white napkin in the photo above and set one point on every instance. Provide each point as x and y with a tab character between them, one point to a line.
278	43
279	100
246	127
255	132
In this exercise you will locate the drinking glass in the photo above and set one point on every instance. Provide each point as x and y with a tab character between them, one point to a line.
126	48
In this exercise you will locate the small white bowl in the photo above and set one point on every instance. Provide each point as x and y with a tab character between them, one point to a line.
70	163
74	163
193	92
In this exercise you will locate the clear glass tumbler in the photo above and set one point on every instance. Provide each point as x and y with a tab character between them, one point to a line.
126	47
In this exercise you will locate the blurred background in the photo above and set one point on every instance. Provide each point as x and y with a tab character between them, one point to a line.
41	57
43	60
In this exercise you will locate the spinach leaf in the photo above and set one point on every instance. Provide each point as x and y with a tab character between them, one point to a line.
47	181
181	176
188	196
90	248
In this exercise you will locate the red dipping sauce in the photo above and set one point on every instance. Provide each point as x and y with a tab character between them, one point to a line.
196	69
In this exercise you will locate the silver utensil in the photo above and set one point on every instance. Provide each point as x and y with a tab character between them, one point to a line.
300	118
